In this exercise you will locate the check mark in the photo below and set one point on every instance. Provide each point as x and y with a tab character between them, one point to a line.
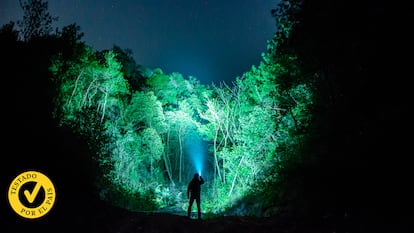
31	196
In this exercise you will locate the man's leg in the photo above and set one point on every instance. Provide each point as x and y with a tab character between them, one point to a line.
190	204
198	207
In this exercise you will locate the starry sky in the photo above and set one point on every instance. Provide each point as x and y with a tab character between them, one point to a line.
212	40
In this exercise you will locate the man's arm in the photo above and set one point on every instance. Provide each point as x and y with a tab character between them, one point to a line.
201	180
188	190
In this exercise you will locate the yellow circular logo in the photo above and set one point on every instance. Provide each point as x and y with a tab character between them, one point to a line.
32	194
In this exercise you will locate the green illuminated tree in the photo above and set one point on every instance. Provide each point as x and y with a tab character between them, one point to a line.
181	123
211	130
163	87
144	116
133	72
144	111
181	98
88	84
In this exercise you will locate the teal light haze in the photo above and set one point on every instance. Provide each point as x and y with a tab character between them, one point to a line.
196	152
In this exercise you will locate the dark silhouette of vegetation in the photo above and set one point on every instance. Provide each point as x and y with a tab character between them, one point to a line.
133	72
30	134
37	21
353	169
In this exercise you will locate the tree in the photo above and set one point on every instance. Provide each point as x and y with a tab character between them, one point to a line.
212	129
181	123
133	73
169	88
144	111
72	34
8	33
86	85
37	21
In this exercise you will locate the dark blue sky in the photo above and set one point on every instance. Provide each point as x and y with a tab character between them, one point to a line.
213	40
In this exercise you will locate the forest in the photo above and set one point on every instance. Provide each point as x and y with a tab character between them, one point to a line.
314	132
151	131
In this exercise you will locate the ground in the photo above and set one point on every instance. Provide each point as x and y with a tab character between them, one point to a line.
105	218
109	219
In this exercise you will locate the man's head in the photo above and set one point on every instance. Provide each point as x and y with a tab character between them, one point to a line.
195	176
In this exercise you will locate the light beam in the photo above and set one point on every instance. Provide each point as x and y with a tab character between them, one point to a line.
196	152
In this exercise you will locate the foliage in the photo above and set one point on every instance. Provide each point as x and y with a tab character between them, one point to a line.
252	129
88	84
133	73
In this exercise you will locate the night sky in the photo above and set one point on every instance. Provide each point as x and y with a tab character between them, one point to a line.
213	40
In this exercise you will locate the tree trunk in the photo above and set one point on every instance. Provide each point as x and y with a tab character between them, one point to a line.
234	179
166	158
180	156
216	165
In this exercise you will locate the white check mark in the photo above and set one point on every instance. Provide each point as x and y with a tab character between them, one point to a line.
31	196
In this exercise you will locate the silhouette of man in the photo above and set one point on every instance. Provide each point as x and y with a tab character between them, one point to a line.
193	193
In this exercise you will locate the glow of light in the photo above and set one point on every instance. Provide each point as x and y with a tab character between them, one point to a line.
198	162
196	153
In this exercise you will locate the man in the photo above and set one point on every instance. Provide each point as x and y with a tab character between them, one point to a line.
193	193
